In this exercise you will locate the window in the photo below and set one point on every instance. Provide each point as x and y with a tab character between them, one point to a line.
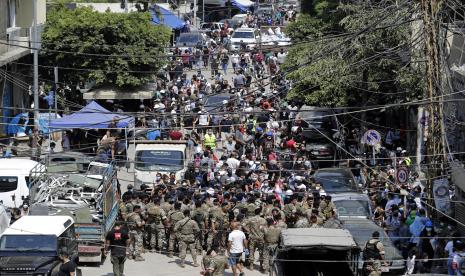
159	160
8	183
243	35
20	243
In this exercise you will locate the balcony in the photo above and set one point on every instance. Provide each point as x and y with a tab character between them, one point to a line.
17	43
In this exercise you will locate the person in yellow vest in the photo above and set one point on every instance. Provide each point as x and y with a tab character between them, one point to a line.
209	139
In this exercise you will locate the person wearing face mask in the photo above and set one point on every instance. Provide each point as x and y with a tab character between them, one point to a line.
392	224
427	245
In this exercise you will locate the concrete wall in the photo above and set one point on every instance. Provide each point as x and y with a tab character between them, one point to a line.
3	24
24	12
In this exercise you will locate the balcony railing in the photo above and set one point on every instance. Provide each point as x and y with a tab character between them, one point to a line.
20	38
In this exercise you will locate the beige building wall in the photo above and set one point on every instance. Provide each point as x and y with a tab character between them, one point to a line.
24	12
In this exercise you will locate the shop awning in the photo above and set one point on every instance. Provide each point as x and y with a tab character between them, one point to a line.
162	16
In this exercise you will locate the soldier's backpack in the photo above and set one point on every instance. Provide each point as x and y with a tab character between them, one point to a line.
371	251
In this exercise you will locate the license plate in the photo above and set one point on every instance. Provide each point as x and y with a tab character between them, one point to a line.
384	269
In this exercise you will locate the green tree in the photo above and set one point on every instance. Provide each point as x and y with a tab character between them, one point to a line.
117	48
360	55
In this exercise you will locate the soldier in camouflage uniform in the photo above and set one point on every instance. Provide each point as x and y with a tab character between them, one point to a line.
187	231
200	215
136	224
271	238
216	223
156	218
327	207
122	210
302	221
217	264
173	217
255	226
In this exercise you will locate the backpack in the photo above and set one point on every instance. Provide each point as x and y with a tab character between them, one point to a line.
371	251
199	217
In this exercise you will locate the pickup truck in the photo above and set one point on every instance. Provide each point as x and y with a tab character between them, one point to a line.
159	156
90	198
315	245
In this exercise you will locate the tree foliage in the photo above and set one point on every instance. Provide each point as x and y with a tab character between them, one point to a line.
360	55
115	48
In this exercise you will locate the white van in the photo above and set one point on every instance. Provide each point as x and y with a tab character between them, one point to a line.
152	157
249	36
14	181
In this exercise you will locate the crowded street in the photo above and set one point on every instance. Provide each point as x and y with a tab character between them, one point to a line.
279	138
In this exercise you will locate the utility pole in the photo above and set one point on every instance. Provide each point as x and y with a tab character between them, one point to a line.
435	143
36	65
55	99
126	8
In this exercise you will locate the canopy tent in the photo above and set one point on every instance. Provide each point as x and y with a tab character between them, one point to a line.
162	16
243	5
17	125
92	116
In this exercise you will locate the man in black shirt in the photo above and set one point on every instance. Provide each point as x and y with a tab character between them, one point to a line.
117	240
68	268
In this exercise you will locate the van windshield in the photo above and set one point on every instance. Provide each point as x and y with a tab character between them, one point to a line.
243	35
352	207
159	160
8	183
28	243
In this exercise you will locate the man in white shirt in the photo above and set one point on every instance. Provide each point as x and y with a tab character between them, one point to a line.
237	244
281	56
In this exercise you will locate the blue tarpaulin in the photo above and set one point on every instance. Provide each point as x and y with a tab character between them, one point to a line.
162	16
92	116
17	125
243	5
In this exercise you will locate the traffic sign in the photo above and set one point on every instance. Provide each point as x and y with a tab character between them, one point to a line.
371	137
402	175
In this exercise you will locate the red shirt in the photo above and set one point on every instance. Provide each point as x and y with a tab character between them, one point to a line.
175	135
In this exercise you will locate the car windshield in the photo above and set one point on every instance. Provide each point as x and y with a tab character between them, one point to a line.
215	101
352	208
243	35
189	38
334	181
315	117
362	232
8	183
21	243
159	160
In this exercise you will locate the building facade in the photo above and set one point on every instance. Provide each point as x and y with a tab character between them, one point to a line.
16	41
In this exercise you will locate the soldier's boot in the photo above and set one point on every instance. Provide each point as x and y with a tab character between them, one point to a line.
139	259
182	263
195	264
170	255
130	256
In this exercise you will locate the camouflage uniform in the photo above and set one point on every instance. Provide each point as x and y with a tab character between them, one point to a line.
135	233
218	221
122	211
326	209
302	223
156	216
217	265
272	234
200	215
174	217
255	228
187	230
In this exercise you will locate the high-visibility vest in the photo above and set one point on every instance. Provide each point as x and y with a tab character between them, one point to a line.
209	140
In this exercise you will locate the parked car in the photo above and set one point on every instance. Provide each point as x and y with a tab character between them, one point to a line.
248	36
361	230
336	180
322	152
211	28
191	40
214	102
350	205
317	123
